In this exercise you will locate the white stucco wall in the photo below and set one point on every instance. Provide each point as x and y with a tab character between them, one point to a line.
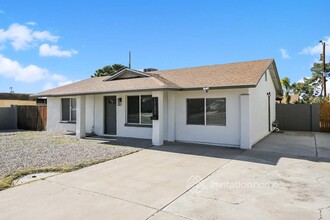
228	135
171	116
259	107
165	115
90	113
54	116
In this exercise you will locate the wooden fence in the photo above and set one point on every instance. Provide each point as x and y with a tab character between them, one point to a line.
325	117
32	117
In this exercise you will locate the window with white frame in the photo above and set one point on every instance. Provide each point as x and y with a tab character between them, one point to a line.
139	109
68	109
206	111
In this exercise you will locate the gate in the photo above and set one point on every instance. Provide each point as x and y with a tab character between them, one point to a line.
298	117
32	117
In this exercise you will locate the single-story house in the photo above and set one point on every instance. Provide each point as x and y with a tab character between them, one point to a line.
227	105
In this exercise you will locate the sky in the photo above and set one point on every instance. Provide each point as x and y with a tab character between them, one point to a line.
46	44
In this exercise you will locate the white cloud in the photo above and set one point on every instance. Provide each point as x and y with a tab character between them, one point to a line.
65	83
13	69
44	36
47	50
48	86
58	77
284	54
22	37
61	81
31	23
30	73
317	48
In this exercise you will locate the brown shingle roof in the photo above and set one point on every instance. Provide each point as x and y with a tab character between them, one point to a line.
223	75
242	74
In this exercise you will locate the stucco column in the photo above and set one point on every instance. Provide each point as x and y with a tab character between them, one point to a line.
158	125
80	116
245	142
171	116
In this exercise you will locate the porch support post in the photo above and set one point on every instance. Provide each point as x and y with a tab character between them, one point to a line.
80	116
171	116
158	125
245	110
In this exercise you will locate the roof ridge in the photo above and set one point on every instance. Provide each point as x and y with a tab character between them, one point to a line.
211	65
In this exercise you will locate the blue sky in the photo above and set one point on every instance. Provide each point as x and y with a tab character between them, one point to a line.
44	44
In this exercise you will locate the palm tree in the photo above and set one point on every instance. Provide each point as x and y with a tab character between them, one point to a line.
287	88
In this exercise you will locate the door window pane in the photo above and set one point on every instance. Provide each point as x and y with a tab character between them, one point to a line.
146	109
65	109
195	111
133	109
216	111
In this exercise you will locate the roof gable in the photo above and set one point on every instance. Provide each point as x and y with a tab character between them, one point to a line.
127	74
275	78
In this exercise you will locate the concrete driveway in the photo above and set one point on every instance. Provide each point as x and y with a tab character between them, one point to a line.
285	176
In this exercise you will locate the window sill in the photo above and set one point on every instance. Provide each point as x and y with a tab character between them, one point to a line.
138	125
68	122
208	125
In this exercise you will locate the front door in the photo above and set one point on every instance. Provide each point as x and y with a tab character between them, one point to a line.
110	123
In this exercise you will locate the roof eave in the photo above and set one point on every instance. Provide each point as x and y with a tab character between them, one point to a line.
143	90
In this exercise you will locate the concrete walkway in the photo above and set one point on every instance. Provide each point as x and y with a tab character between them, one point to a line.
285	176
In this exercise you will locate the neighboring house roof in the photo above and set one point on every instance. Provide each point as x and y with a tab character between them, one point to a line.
15	96
233	75
293	99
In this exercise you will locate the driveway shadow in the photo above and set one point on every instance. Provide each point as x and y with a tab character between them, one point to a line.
269	150
123	141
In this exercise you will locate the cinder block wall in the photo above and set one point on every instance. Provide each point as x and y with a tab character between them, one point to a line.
8	118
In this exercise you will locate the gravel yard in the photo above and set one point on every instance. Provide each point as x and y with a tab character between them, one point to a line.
21	150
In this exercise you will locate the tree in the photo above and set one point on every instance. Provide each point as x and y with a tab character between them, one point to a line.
310	90
287	88
109	70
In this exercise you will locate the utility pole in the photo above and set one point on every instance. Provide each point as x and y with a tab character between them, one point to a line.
323	67
129	60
